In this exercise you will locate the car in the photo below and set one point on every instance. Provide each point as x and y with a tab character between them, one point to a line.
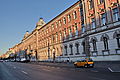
24	60
1	60
84	63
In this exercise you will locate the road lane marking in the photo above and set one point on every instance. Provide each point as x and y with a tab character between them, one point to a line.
112	70
24	72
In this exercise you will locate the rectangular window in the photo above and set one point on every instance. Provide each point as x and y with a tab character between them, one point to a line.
52	27
56	37
76	27
83	28
69	18
90	4
93	23
65	33
75	14
103	19
66	50
101	1
56	24
115	14
60	36
64	20
118	40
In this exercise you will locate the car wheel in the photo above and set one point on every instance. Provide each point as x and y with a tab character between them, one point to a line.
75	65
85	65
92	66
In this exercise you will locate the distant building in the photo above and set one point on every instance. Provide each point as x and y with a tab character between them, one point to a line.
89	28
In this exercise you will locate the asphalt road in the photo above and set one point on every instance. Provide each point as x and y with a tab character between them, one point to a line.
23	71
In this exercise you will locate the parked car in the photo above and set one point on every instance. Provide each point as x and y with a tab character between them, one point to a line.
24	60
84	63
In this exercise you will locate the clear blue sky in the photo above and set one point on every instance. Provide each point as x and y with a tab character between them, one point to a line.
18	16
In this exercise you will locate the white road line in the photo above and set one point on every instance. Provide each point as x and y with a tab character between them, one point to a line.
110	69
24	72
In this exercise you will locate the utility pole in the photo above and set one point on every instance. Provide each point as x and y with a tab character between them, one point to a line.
48	50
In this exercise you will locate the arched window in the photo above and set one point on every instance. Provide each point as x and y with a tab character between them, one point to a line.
71	49
94	45
118	40
65	49
116	35
94	40
105	38
77	48
83	43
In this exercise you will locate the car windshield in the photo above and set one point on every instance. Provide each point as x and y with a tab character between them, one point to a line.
83	61
90	60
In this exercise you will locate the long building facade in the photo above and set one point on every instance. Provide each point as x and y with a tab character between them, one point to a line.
89	28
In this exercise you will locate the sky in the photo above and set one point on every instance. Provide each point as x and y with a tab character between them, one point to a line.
19	16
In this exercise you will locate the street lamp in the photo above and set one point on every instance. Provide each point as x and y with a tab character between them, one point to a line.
53	54
48	50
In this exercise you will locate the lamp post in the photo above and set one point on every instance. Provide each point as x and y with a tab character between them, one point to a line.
48	50
36	55
53	54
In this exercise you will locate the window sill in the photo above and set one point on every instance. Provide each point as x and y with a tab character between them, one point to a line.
117	51
105	52
70	54
77	53
93	51
65	54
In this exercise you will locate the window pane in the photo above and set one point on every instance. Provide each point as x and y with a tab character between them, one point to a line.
103	19
115	14
93	23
